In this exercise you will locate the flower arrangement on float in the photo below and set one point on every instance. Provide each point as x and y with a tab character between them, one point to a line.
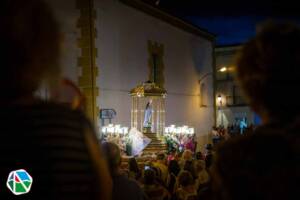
179	138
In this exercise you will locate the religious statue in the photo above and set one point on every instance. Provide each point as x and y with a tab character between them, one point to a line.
148	116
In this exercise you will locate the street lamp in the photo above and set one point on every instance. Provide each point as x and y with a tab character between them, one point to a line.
223	69
220	100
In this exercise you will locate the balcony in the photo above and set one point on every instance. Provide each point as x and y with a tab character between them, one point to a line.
235	101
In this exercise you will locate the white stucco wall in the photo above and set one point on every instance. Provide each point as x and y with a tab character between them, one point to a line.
122	59
67	16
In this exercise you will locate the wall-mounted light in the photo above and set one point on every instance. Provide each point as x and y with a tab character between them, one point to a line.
223	69
219	98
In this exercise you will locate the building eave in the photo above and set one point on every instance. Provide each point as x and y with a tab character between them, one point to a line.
170	19
227	50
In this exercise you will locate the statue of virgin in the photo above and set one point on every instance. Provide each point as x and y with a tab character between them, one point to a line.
148	115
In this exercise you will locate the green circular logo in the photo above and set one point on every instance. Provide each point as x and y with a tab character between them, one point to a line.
19	182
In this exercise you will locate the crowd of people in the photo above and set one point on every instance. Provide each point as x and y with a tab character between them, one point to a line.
221	133
58	147
181	177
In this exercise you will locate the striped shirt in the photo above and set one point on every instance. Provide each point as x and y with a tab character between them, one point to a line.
47	140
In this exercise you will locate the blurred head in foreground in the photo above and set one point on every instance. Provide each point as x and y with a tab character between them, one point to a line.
268	70
30	47
247	167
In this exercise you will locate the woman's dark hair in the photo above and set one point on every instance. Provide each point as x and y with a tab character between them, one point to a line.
190	167
208	146
148	105
149	177
174	167
161	156
185	178
157	172
133	166
199	155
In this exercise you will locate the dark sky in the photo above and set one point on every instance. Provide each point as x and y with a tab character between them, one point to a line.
233	22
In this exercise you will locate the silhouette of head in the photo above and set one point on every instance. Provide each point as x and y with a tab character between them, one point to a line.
30	46
268	70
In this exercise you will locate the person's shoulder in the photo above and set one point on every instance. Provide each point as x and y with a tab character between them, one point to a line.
127	182
50	105
124	188
180	193
45	111
155	164
134	187
260	145
60	111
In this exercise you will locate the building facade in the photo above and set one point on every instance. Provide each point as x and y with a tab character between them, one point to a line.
230	104
111	46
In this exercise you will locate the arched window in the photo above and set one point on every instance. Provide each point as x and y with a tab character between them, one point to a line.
155	63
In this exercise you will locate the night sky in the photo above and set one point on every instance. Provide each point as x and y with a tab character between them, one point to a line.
229	30
233	22
232	30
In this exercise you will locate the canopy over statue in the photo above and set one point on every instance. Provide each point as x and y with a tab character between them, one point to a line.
148	108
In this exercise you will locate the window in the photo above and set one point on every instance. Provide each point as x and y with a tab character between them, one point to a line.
155	63
154	68
235	98
203	95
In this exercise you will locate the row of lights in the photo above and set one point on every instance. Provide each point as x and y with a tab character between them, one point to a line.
114	129
180	130
118	129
